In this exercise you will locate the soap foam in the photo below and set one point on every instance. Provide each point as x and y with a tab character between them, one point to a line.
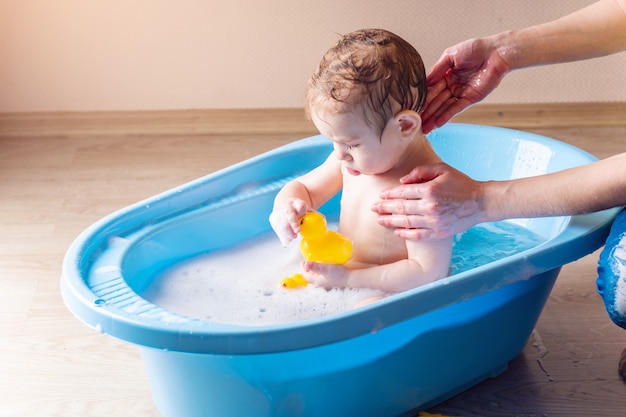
241	284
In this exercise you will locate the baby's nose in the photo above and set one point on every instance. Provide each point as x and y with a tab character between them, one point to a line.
342	154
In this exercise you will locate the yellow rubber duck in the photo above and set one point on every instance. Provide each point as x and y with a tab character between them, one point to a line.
294	281
318	245
321	245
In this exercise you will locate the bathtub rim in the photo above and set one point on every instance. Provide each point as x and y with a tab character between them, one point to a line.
582	235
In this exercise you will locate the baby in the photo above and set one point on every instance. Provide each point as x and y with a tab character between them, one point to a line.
366	97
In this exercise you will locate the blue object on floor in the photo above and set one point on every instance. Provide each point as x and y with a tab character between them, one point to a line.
612	272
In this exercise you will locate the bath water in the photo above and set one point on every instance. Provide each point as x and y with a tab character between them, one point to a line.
241	285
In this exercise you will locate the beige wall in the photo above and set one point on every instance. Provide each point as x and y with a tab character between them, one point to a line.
81	55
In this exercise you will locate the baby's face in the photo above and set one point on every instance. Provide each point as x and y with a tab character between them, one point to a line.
357	144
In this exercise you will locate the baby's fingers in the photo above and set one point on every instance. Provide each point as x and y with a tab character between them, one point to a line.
282	227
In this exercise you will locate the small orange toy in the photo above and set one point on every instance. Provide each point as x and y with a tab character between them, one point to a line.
321	245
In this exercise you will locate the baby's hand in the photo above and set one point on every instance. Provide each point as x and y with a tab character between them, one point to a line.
285	220
326	275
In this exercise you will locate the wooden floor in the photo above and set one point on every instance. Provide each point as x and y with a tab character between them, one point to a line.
54	186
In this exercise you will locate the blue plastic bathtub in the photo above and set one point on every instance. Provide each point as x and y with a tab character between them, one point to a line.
390	358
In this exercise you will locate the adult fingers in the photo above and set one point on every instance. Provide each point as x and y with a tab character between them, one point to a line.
440	68
414	234
404	221
436	100
449	109
402	192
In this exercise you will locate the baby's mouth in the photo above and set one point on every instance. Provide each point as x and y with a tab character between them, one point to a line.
353	171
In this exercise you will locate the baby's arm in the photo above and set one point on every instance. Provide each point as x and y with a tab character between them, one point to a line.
305	193
427	262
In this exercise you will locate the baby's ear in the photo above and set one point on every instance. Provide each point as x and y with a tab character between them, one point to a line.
410	123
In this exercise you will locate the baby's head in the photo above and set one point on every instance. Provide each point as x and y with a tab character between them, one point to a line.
371	71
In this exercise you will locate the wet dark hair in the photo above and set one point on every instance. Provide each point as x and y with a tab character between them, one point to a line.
370	69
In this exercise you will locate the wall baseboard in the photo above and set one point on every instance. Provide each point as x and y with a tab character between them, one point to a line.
527	116
285	121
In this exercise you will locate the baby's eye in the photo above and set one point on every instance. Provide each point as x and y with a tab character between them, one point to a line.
349	147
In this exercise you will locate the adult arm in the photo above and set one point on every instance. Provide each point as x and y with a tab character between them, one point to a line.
445	201
466	73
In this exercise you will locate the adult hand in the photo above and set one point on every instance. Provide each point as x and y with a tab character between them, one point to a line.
464	75
435	201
